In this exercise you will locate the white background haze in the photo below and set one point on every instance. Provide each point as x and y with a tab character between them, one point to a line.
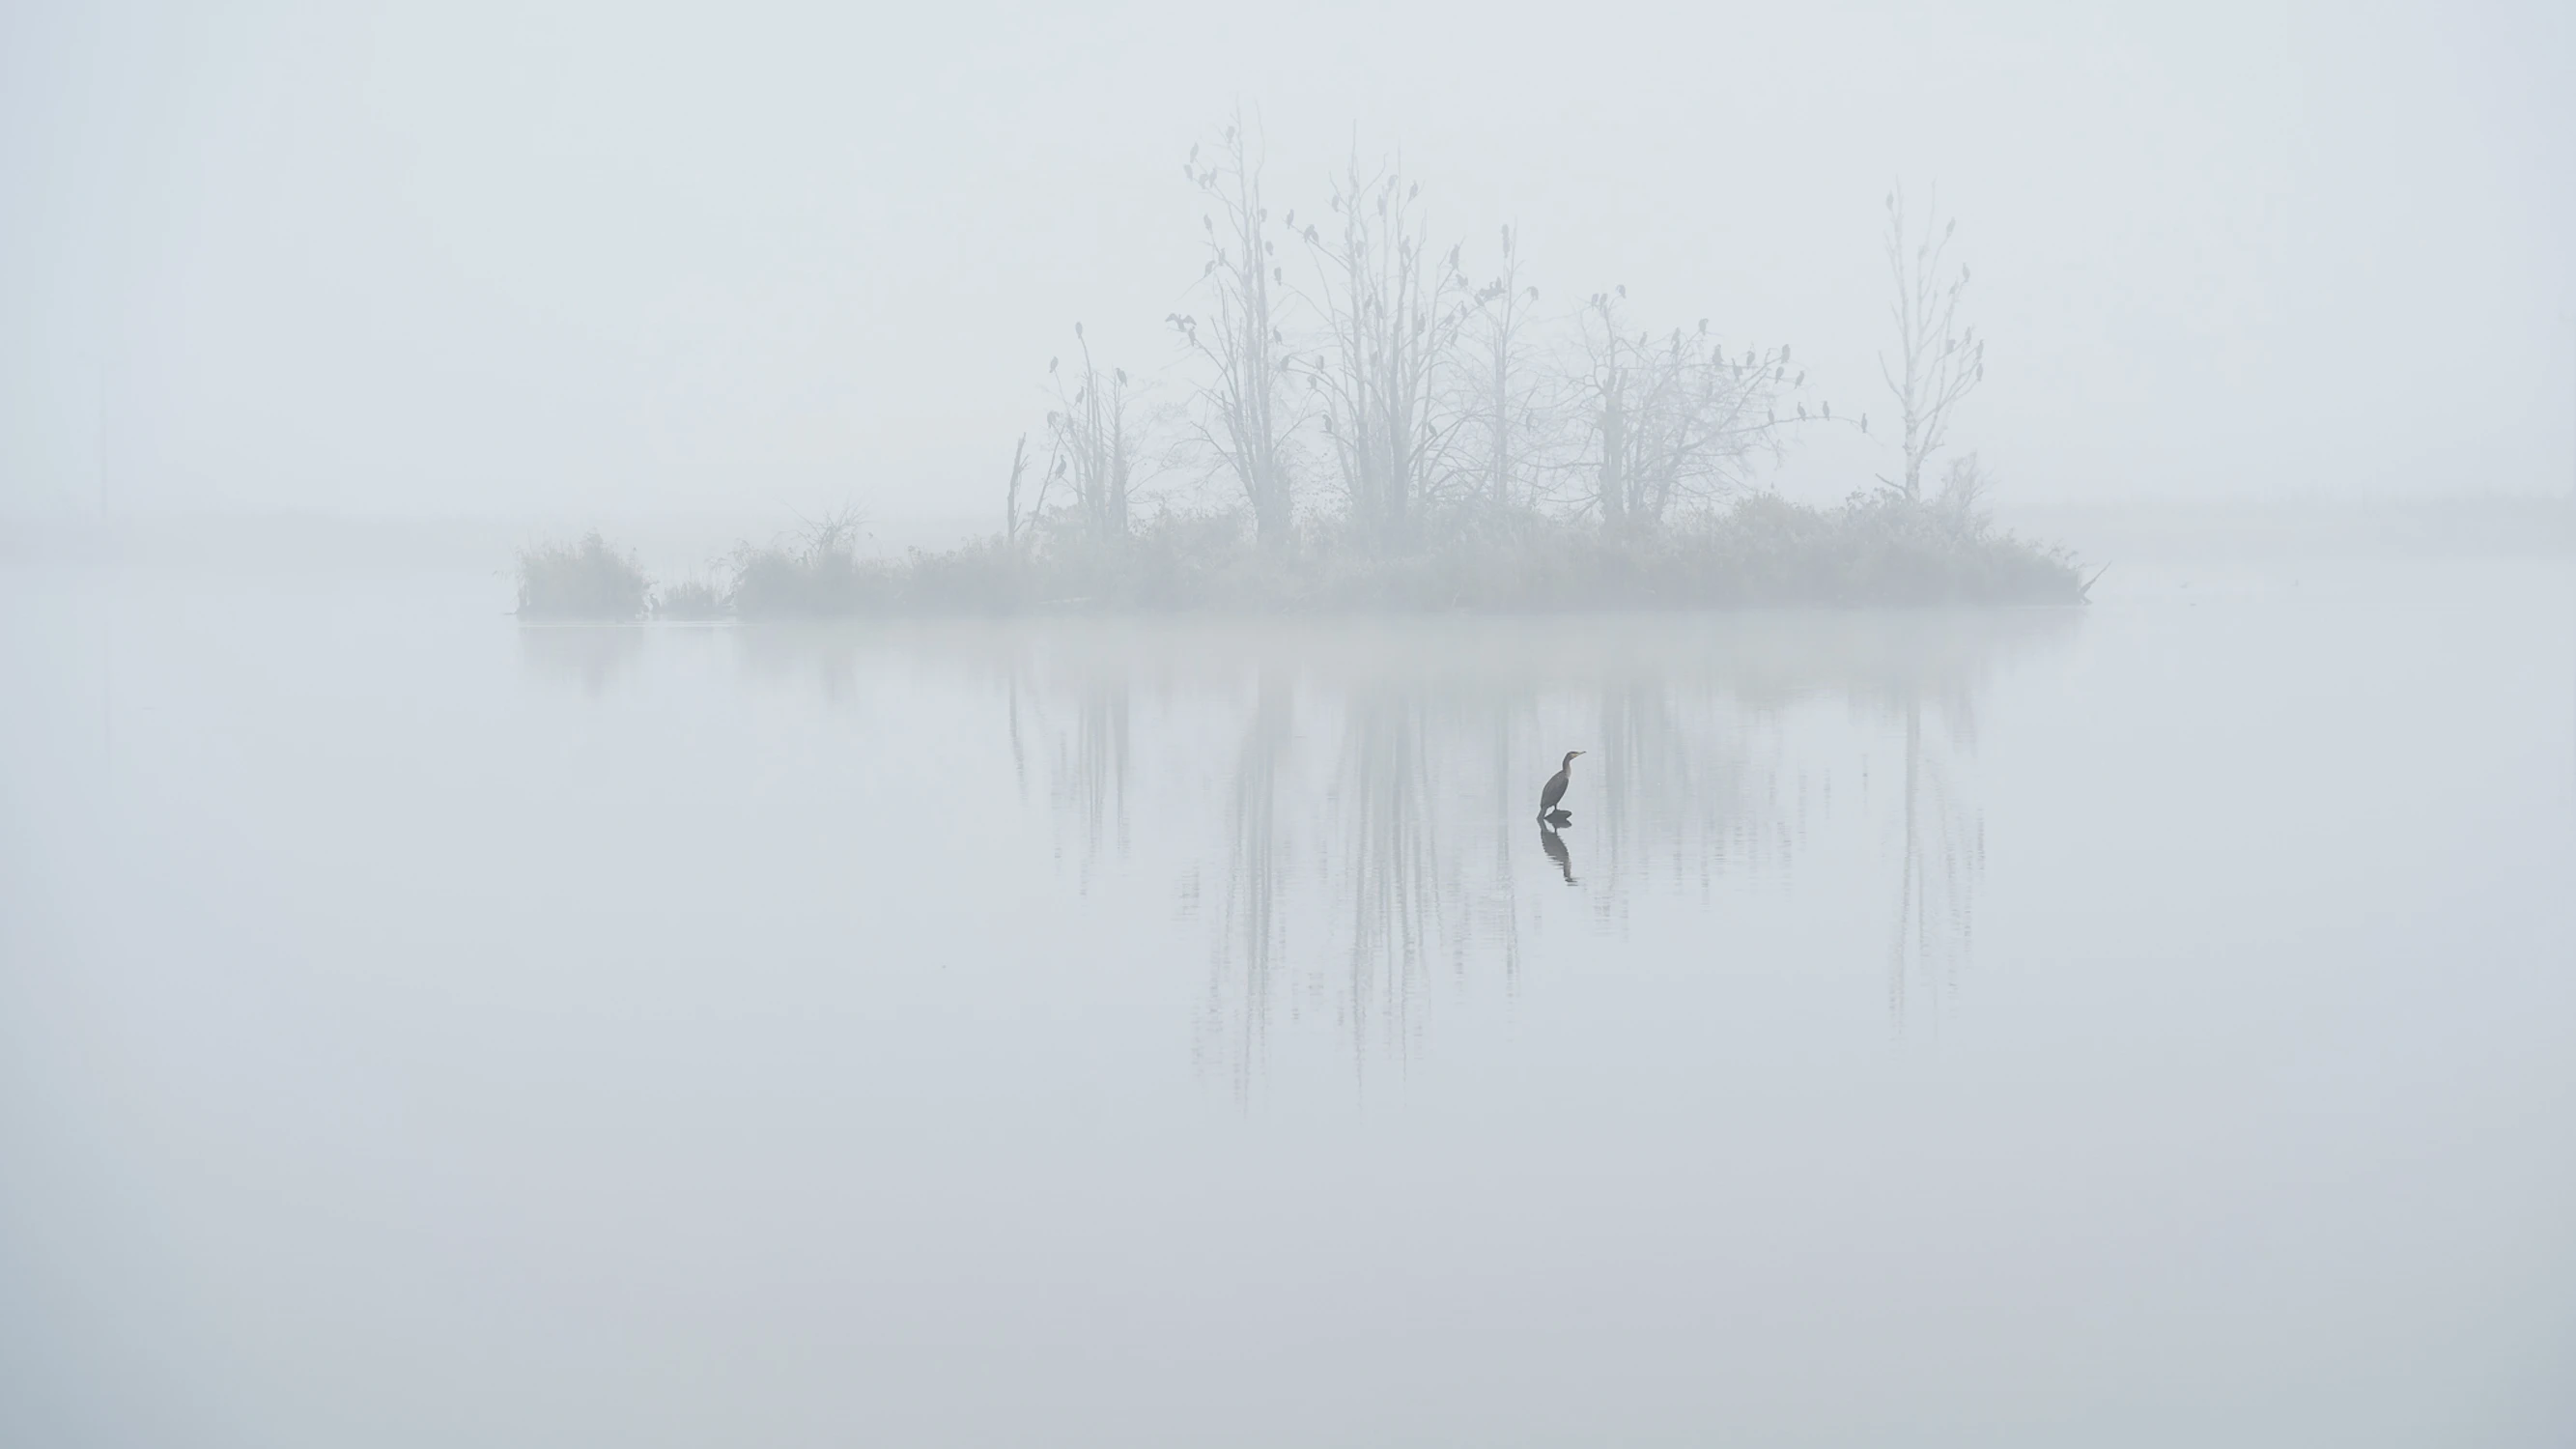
2148	1021
470	259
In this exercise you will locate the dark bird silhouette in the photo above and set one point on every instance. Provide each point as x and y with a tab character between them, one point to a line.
1556	783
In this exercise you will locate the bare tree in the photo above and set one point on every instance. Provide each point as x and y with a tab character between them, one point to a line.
1506	385
1094	442
1392	317
1938	362
1961	504
1011	495
1244	414
1668	419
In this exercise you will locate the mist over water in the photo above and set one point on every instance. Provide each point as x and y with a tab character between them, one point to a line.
781	725
2145	1024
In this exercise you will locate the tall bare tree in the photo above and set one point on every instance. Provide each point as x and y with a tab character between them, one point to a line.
1011	495
1668	419
1392	316
1245	413
1505	388
1094	442
1938	362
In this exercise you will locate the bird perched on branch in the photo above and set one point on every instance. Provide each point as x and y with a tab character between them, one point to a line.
1556	783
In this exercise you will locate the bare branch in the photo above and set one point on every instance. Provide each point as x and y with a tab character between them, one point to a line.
1938	363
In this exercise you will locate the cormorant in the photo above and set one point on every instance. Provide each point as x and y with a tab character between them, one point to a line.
1556	784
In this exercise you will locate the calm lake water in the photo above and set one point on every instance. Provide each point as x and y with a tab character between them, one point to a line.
2153	1024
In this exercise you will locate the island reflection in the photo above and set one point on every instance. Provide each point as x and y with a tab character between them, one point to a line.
1355	801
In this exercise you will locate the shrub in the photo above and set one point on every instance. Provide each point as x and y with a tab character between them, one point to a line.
692	601
815	575
586	580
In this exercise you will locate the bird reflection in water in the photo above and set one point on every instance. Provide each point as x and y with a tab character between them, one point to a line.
1554	844
1352	796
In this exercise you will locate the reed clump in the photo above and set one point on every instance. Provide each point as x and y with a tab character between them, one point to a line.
585	580
692	601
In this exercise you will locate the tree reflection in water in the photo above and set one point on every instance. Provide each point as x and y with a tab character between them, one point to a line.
1351	801
1375	812
1942	852
1239	1004
592	657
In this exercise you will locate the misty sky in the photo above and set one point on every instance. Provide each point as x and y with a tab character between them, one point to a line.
487	259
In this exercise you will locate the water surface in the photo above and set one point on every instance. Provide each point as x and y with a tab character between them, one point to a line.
2150	1024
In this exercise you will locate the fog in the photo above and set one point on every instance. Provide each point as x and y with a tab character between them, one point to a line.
584	858
576	261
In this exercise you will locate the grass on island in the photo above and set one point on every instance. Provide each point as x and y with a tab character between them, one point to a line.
692	601
1876	549
587	581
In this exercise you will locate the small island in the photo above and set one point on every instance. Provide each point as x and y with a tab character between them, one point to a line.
1359	418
